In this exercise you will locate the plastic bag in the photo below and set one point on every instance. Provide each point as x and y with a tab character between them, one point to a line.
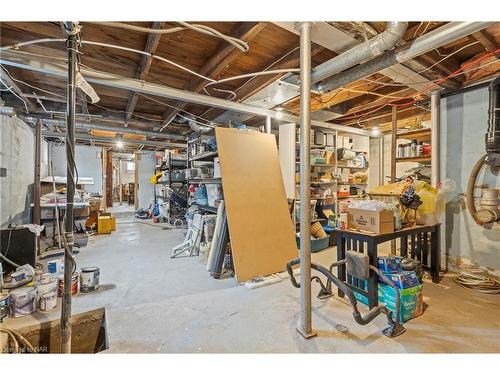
434	200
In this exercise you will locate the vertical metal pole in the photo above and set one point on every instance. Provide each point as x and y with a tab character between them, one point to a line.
70	191
305	328
36	189
435	149
394	143
268	124
381	177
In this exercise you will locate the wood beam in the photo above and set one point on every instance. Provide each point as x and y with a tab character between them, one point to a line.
259	83
486	41
394	143
10	83
144	66
217	63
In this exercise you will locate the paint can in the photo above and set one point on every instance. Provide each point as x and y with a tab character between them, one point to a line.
54	266
4	306
74	284
47	295
23	301
89	279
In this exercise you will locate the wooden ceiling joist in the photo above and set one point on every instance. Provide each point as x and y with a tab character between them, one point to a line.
487	42
143	69
217	63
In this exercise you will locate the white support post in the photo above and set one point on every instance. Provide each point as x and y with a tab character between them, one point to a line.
305	327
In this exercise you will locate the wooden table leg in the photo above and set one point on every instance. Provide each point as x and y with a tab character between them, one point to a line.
341	272
435	255
373	280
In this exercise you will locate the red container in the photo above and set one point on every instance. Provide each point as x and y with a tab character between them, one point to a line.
74	284
427	149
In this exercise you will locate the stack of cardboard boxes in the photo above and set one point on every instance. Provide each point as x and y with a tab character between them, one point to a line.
410	289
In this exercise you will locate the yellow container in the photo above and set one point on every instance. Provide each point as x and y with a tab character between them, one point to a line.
113	222
104	225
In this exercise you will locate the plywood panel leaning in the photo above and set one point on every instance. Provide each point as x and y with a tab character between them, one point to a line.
260	228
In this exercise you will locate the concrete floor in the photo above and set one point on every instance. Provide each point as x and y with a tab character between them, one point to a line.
157	304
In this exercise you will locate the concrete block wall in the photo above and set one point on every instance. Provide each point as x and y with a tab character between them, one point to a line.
17	156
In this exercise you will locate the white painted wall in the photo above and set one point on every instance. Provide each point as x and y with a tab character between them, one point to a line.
463	125
145	194
17	155
88	163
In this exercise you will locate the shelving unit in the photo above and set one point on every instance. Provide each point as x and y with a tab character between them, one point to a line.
194	155
178	185
417	159
420	135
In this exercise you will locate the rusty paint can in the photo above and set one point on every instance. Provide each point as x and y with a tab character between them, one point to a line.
89	279
74	284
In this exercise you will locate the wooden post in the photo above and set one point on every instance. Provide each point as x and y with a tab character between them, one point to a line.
136	180
104	156
394	143
109	178
120	180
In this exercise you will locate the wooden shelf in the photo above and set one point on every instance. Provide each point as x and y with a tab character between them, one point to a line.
417	159
419	135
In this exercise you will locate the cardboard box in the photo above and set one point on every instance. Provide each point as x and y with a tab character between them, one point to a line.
404	279
411	302
389	264
370	221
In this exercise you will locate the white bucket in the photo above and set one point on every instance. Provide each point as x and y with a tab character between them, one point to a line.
47	295
89	279
23	301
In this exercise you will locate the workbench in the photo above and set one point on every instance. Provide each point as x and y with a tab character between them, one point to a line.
423	244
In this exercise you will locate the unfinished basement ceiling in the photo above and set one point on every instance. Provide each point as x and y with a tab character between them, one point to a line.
271	46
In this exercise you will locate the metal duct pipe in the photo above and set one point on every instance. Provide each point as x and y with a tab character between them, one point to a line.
191	120
69	263
368	50
89	126
305	327
436	38
435	137
48	133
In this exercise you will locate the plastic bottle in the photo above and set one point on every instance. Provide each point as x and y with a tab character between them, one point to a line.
401	151
407	150
420	149
413	148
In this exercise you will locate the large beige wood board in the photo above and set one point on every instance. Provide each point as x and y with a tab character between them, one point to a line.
260	228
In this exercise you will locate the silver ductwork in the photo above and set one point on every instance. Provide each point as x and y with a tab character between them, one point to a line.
89	126
434	39
362	52
193	124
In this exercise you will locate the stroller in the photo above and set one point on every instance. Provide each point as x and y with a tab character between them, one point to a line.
177	208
